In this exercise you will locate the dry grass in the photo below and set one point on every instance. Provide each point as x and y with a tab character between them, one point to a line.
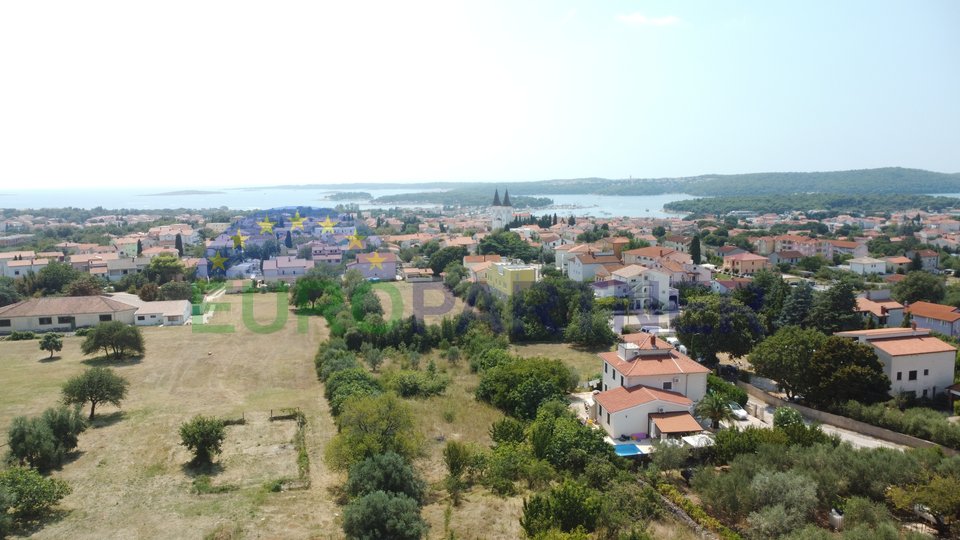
129	480
584	362
432	298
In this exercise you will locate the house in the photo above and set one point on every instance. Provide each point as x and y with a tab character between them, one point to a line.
584	267
723	251
745	263
165	313
507	279
16	269
326	253
916	363
648	287
565	253
727	286
937	317
376	266
648	388
897	264
653	256
610	288
790	257
882	312
677	242
929	259
285	268
63	314
867	265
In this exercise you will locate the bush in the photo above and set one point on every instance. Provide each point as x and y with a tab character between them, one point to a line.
568	506
696	512
732	392
786	416
21	336
371	425
409	383
917	421
519	386
43	442
350	383
507	430
383	515
204	437
32	494
388	472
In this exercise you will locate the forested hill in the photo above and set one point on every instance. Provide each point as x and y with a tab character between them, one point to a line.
891	180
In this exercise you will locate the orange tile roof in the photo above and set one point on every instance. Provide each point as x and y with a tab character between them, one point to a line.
621	398
930	310
676	422
876	308
906	346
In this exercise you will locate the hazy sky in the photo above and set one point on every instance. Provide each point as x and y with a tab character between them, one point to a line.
200	93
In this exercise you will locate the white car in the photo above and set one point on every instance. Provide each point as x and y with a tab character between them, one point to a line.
737	410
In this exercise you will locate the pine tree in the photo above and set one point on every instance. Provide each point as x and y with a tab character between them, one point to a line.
695	249
796	309
554	218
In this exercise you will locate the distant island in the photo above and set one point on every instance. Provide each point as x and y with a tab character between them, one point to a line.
183	192
349	196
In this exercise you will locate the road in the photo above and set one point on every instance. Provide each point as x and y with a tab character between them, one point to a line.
858	440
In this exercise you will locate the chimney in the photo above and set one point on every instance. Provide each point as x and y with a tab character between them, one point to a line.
913	325
653	342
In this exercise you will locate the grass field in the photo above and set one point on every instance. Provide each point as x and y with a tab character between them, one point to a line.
129	479
434	297
584	362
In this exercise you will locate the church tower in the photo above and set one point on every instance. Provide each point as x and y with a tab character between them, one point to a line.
501	213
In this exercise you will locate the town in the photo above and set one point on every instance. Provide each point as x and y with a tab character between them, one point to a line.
731	375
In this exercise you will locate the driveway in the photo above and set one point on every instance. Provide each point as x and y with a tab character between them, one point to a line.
764	419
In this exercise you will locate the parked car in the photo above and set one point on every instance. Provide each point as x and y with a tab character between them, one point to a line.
737	411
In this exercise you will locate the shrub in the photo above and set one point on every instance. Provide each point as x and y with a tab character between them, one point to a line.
696	512
409	383
383	515
387	472
786	416
507	430
568	506
519	386
349	383
917	421
371	425
21	336
732	392
203	436
32	494
43	441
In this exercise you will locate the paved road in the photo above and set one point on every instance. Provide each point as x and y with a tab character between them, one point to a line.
858	440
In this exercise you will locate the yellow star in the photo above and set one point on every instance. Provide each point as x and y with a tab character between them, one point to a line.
266	226
375	260
327	225
218	261
297	221
239	239
356	241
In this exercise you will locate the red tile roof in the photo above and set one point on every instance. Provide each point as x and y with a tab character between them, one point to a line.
676	422
621	398
930	310
910	345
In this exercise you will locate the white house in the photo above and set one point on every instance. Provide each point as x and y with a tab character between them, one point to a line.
647	286
915	362
166	312
287	268
867	265
646	377
584	267
63	314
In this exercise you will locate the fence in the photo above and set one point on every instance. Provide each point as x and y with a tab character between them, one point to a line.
845	423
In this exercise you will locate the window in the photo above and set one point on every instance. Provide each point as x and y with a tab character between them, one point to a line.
105	318
608	419
924	393
5	322
605	367
899	375
65	320
46	320
926	372
912	375
141	318
621	380
668	385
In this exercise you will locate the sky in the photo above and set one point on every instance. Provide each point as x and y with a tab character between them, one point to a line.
232	93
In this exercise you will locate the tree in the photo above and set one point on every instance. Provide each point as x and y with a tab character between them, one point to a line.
32	494
916	263
695	249
307	290
203	436
843	370
388	472
164	267
835	309
784	357
590	329
383	515
178	244
443	257
176	290
713	324
8	292
139	247
714	407
371	425
149	292
797	306
786	416
288	240
941	494
567	506
43	441
518	386
85	285
114	338
52	342
919	286
96	385
371	355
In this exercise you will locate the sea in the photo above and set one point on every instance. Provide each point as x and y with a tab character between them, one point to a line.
257	198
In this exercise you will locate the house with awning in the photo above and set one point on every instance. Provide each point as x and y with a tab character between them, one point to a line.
648	390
